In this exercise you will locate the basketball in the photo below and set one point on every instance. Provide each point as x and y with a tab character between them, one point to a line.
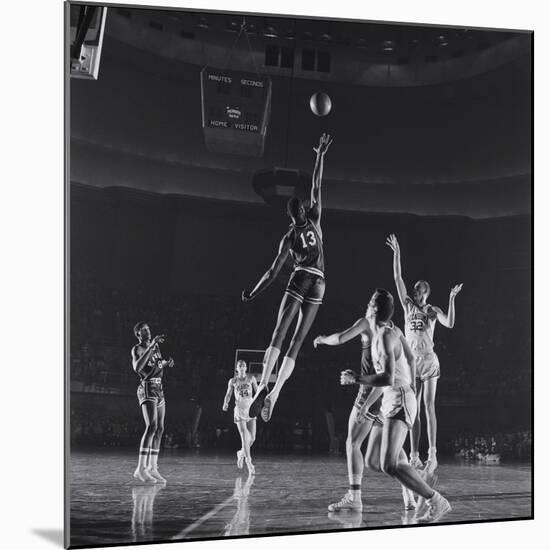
320	104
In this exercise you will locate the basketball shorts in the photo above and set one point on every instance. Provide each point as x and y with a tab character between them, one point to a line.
399	403
149	391
427	366
306	287
366	414
240	414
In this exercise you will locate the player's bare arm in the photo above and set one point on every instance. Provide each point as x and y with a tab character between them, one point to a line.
228	395
393	243
448	319
271	274
372	398
385	378
315	199
141	357
360	326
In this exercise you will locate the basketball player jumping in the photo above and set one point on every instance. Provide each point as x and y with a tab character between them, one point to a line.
394	368
148	363
305	290
420	320
243	386
364	414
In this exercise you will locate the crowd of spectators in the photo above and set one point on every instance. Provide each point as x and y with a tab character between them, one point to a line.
493	448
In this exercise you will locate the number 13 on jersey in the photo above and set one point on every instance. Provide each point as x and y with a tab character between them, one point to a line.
311	240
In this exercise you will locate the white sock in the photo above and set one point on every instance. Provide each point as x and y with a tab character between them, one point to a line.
432	451
270	358
284	374
153	459
143	458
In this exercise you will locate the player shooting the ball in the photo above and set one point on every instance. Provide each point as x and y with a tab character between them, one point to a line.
305	289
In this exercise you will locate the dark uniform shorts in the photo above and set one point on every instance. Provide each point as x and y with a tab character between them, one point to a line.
150	391
306	287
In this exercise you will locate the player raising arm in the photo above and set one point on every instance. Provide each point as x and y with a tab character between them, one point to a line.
305	289
364	414
420	321
395	375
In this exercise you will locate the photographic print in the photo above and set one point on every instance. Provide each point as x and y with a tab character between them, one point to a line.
299	274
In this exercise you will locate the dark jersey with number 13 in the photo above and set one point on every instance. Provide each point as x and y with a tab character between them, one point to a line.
307	248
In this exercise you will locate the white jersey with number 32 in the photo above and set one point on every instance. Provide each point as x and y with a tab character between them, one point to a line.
419	326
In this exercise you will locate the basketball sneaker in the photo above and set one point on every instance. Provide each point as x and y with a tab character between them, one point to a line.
347	503
257	403
422	503
267	410
438	506
240	459
141	474
153	472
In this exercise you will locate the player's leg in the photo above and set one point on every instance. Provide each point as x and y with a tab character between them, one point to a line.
359	426
391	460
288	309
155	444
245	438
392	463
149	410
416	429
240	452
251	425
430	388
372	462
306	316
290	305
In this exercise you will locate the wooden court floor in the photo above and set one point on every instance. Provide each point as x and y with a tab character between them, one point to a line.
206	496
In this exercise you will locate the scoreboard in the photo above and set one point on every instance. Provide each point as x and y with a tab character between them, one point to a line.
235	111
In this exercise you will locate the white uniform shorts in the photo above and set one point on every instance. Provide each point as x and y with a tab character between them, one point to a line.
241	414
427	366
399	403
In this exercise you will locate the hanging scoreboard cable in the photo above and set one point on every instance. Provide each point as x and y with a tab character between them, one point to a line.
235	111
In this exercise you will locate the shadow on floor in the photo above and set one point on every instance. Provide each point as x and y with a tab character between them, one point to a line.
55	536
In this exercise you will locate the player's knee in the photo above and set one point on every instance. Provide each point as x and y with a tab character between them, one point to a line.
372	464
160	430
388	466
352	443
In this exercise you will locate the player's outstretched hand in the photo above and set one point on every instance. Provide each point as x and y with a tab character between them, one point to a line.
170	362
224	408
392	242
318	341
159	339
324	143
246	296
456	289
348	377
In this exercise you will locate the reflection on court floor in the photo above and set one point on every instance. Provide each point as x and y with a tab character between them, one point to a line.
206	496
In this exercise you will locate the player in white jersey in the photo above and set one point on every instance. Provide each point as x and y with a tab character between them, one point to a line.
420	321
394	365
243	386
364	414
